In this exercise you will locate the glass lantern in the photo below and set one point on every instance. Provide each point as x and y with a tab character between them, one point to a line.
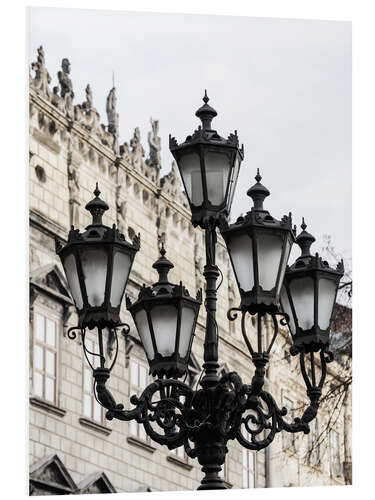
209	167
308	296
97	264
165	316
259	247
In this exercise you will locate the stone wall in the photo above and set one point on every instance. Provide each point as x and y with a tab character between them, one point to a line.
70	150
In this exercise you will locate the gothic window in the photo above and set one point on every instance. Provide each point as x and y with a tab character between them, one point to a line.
313	445
248	464
289	441
91	408
46	327
335	453
138	382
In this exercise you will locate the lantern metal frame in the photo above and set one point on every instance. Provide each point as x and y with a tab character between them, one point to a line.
222	408
256	222
159	294
97	235
315	268
204	140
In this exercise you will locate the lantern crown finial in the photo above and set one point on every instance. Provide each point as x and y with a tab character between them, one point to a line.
258	193
163	266
304	240
97	207
206	113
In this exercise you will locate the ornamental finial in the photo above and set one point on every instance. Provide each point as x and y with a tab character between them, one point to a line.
206	113
97	207
258	193
163	266
304	240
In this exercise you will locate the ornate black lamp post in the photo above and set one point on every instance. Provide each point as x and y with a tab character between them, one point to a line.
172	413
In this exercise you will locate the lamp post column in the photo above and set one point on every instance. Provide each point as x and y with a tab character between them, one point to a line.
211	274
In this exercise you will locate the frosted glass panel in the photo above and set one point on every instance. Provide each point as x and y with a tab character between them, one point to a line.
94	266
269	255
87	380
39	327
121	268
144	333
72	277
50	363
190	169
241	252
233	180
187	322
302	292
164	321
97	411
38	357
87	405
327	294
217	171
286	308
50	389
50	332
288	247
38	384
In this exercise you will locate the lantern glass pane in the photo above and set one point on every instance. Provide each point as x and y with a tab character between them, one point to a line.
302	292
144	332
217	166
285	304
270	248
120	273
164	323
241	251
327	294
94	266
233	180
186	330
190	169
70	268
288	247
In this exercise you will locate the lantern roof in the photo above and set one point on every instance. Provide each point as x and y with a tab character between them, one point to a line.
257	215
307	261
205	134
97	232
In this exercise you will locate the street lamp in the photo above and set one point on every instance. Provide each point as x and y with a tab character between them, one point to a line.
259	246
203	420
209	167
308	296
165	316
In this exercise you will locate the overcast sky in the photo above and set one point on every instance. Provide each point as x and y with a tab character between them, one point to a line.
285	85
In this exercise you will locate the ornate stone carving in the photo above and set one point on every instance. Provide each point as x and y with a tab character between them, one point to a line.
113	118
73	186
125	152
137	151
57	101
171	185
42	78
66	88
154	142
121	216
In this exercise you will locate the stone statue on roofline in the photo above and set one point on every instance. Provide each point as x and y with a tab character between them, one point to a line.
137	152
66	87
154	142
113	117
42	78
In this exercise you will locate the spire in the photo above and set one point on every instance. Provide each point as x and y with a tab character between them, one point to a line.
258	193
206	113
304	240
97	207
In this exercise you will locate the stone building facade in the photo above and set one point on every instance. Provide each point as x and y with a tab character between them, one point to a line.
72	447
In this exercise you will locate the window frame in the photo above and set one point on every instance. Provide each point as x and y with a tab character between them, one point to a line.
140	433
86	369
47	314
246	468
